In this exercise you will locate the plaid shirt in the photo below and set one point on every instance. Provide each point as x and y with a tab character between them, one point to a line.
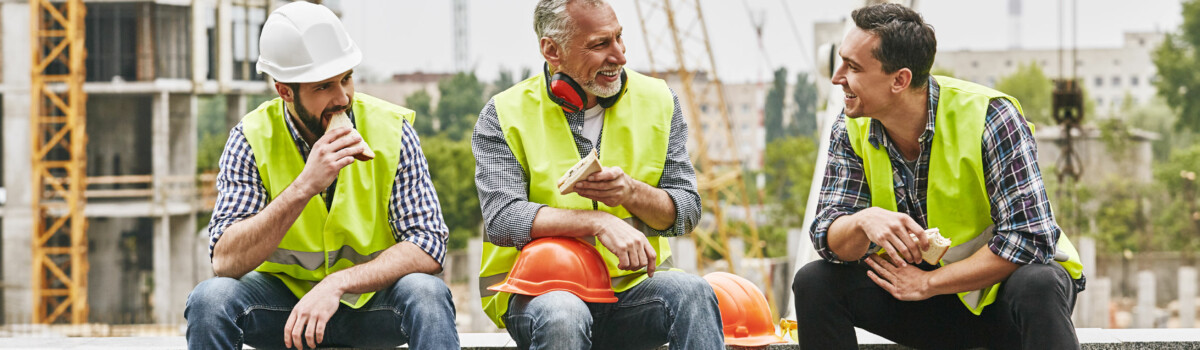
414	212
504	187
1026	232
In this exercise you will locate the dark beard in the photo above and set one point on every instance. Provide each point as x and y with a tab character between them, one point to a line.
313	123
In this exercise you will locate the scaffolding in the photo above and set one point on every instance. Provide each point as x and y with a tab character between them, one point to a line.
59	135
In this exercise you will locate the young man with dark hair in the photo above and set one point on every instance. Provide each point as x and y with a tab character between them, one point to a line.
916	152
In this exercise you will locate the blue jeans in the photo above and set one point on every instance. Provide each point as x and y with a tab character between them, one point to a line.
672	306
224	313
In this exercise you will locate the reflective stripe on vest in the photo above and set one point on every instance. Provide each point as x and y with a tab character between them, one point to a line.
957	201
355	228
636	133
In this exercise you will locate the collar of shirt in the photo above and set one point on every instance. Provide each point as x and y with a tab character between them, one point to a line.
878	138
302	145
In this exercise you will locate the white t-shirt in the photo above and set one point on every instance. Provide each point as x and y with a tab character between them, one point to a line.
593	121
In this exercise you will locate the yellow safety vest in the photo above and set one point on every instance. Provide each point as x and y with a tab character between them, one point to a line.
355	229
957	200
636	133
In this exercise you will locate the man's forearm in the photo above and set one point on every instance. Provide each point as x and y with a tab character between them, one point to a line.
247	243
846	239
982	269
555	222
653	206
383	271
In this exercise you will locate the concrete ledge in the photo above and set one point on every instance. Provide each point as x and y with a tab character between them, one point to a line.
1091	338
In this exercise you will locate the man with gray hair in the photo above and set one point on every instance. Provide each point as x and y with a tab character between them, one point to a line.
530	134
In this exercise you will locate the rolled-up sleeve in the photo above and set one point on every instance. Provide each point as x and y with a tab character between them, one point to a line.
679	178
844	191
502	184
240	192
1026	232
415	213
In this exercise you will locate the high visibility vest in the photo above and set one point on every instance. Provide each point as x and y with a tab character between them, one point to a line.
957	201
635	136
355	228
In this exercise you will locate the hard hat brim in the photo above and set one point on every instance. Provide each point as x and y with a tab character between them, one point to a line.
316	73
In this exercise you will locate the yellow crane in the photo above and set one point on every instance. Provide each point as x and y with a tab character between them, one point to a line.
720	180
59	134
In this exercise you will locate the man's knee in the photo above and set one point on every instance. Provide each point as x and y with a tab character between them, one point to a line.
424	294
558	307
815	276
210	297
1039	286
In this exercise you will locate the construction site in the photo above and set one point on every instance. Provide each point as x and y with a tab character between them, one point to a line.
110	112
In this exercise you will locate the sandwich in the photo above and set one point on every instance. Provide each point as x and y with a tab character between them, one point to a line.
340	120
938	246
581	170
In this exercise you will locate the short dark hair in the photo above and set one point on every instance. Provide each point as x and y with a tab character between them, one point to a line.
905	40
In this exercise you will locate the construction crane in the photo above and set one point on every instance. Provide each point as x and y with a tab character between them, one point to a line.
59	134
679	24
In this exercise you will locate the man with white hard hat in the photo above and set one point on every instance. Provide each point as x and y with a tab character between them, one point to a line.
310	246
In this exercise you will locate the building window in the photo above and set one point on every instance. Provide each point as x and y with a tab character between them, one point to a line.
1116	81
247	20
1133	80
1099	101
173	41
1079	63
1008	63
974	64
704	108
1116	62
1099	81
111	32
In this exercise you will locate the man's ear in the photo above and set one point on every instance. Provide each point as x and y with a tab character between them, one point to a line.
285	92
551	51
902	80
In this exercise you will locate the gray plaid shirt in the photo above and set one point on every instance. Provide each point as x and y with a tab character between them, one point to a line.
504	186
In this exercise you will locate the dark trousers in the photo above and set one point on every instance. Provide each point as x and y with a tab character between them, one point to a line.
1032	311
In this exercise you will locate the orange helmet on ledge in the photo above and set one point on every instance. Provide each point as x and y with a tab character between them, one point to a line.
745	316
559	264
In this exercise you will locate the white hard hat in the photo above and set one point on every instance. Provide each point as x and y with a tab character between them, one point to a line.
303	42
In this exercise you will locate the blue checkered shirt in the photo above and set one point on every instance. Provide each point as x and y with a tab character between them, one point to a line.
1026	232
414	212
504	187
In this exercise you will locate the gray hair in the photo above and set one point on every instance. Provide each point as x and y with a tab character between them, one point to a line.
550	19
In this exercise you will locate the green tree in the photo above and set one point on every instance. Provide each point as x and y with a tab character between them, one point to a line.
1178	216
421	103
452	168
804	95
459	106
789	168
1176	60
773	106
1030	86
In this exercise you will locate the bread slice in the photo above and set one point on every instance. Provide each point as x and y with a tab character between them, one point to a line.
938	246
581	170
340	120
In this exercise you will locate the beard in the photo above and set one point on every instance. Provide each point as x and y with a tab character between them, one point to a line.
603	90
313	122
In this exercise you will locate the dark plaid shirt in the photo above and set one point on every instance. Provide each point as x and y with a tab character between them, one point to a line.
1026	232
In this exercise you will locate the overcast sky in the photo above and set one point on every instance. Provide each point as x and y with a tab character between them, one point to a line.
400	36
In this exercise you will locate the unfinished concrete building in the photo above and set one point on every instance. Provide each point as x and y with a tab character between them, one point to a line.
154	72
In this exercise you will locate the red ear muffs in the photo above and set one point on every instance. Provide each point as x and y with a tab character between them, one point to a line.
570	96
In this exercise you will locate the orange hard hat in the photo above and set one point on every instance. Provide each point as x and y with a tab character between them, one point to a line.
559	263
745	316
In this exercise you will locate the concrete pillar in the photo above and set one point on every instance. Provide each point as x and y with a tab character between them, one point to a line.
18	222
235	109
1145	310
683	252
160	157
1187	297
183	138
224	43
199	35
182	278
1087	256
479	320
1101	290
737	249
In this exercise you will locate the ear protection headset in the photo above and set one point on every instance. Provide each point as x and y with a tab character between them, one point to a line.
570	95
